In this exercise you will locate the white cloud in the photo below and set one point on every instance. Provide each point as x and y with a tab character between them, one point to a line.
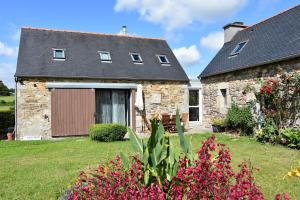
8	51
174	14
187	56
213	41
7	73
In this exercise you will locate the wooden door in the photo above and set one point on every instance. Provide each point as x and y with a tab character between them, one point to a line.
72	111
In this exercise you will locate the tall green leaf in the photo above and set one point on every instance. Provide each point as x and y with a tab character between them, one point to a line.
124	160
136	142
184	145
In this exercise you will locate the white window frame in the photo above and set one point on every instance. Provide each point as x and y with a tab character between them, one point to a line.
233	53
63	51
163	63
198	106
136	61
105	52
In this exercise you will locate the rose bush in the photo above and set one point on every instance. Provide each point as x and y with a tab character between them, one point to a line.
279	99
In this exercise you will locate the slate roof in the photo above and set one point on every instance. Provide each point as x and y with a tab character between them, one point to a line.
35	57
272	40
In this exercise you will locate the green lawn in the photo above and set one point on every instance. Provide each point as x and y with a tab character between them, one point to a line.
8	103
43	169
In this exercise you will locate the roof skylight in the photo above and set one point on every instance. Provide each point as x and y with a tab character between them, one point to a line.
136	57
238	48
59	54
105	56
163	59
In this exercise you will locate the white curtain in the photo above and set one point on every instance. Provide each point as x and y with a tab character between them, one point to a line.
118	107
111	106
106	107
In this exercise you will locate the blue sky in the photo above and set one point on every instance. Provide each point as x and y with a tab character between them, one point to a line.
193	28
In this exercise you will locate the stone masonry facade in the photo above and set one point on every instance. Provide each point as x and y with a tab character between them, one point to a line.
34	103
235	84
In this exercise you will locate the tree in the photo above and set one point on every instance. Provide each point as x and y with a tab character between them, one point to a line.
4	91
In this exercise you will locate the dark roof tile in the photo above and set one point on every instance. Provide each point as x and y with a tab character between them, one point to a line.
274	39
82	58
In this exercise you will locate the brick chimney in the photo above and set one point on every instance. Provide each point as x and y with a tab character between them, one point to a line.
231	29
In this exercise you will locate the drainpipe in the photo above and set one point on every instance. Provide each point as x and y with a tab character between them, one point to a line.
16	92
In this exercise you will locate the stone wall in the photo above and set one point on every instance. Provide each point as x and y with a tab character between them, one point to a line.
34	103
33	110
235	83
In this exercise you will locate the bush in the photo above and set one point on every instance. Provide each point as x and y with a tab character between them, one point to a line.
240	119
107	132
268	132
219	122
279	99
7	119
292	137
204	178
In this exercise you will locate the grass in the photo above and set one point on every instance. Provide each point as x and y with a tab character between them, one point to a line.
8	103
44	169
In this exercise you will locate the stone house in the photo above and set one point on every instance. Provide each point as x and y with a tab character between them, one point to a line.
68	80
249	53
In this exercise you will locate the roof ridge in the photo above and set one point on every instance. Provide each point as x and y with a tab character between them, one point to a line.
90	33
275	15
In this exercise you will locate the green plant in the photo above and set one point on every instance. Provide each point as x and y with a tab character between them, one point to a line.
219	122
157	155
268	132
241	119
107	132
292	137
279	99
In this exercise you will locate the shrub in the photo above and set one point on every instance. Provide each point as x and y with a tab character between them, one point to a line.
241	119
268	132
7	119
205	178
107	132
219	122
292	137
279	99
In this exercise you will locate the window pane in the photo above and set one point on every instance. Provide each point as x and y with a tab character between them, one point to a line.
238	48
105	56
59	54
163	59
136	57
193	114
194	97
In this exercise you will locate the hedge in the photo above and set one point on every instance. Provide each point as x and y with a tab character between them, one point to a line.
7	120
107	132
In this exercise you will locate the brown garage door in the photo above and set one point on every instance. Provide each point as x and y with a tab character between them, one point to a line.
72	111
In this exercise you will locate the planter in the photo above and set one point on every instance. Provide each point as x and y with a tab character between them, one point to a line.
10	133
10	137
218	128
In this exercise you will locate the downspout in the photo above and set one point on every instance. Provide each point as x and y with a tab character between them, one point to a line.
16	93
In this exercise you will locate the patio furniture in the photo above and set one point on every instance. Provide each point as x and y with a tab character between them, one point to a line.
172	125
184	120
165	120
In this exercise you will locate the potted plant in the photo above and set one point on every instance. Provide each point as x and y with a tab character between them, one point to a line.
218	125
10	133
